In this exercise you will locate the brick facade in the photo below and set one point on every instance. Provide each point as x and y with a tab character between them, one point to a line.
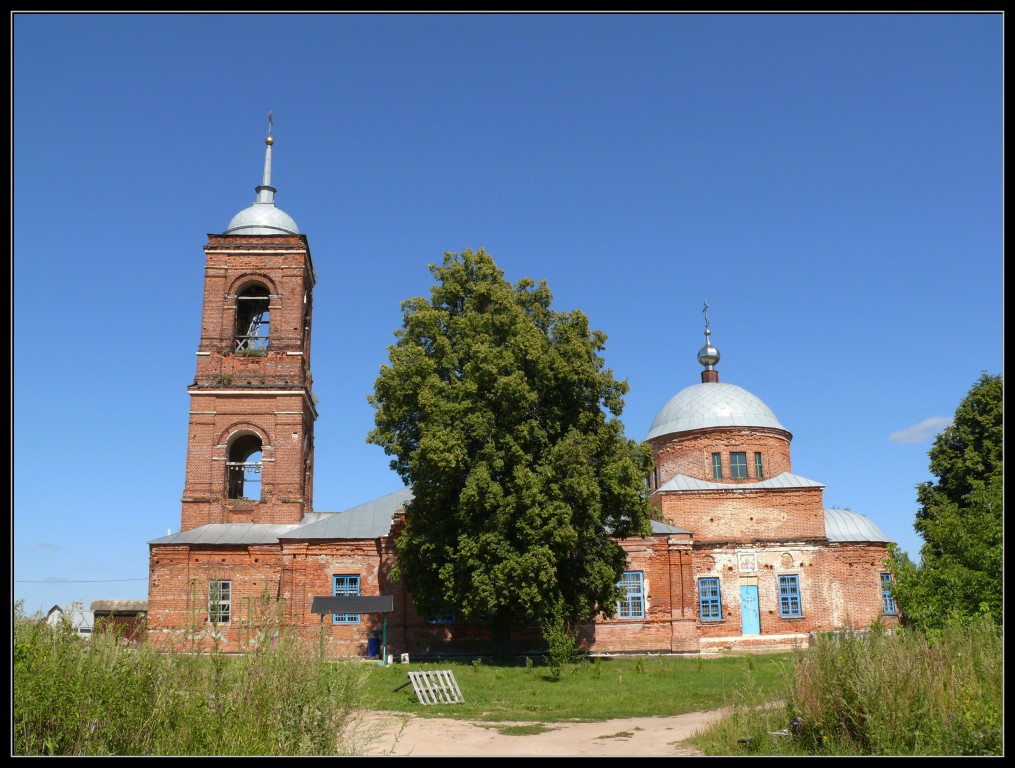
774	573
265	393
690	453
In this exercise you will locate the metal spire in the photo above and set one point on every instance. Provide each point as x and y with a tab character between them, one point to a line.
266	192
708	355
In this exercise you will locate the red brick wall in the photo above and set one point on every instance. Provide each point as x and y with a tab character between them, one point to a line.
741	514
690	453
271	585
850	583
840	586
269	395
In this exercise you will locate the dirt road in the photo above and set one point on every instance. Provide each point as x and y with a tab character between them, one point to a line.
406	735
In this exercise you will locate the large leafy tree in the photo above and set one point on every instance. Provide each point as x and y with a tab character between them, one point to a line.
502	419
961	518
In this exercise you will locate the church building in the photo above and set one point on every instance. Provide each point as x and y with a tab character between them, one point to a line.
742	552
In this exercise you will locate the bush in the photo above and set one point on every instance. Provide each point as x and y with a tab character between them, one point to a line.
561	643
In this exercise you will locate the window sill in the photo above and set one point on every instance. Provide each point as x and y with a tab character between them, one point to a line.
792	618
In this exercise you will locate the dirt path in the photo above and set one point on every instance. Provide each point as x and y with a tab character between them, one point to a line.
392	733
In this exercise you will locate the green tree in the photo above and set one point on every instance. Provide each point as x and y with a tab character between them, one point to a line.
502	419
960	574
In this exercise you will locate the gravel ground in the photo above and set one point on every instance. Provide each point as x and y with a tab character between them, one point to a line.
395	733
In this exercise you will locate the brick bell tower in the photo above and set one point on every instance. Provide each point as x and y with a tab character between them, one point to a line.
250	445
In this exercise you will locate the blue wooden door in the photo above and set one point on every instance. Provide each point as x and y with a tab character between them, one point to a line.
750	619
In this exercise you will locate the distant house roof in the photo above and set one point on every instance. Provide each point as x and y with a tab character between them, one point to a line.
119	606
846	525
80	619
782	480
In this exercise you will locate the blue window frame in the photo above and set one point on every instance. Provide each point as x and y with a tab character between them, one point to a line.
346	586
886	593
717	466
632	602
759	465
789	596
738	464
709	599
440	614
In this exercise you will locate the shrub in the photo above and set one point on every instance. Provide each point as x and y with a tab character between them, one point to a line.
561	643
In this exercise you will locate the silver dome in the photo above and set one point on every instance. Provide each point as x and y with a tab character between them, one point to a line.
713	404
262	219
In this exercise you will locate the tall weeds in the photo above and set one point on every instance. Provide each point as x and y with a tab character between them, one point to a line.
880	693
100	697
905	693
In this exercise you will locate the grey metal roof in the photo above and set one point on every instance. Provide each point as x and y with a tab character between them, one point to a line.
371	520
228	533
664	528
367	521
715	404
845	525
782	480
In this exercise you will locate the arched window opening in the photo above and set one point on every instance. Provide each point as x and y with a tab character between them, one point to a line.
253	319
243	468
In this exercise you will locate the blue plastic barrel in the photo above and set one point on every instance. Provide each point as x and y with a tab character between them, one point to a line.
373	646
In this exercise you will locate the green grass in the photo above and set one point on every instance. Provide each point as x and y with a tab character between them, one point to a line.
594	690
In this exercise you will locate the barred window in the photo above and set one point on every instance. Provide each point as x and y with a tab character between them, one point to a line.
346	586
632	602
717	466
759	465
789	596
887	597
709	599
219	601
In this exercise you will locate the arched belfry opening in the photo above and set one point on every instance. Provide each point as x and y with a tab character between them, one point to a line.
243	468
253	320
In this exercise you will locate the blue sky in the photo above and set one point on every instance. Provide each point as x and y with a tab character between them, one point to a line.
830	184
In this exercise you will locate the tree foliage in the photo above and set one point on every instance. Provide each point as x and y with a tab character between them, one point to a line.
502	418
961	518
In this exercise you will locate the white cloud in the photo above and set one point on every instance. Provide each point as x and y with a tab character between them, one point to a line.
925	430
